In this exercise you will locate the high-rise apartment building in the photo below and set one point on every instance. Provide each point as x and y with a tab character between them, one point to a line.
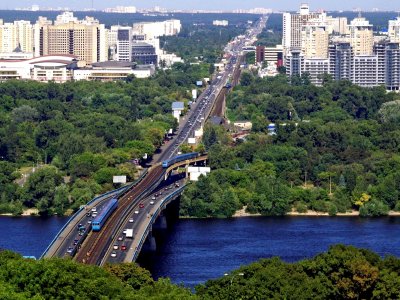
124	44
394	30
314	39
361	36
87	39
340	60
292	24
16	35
156	29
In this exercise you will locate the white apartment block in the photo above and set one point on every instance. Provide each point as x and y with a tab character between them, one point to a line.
18	34
124	44
361	36
316	67
156	29
220	23
365	70
394	30
292	24
121	10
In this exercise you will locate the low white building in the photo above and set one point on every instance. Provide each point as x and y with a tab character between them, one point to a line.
64	67
58	68
177	108
220	23
113	70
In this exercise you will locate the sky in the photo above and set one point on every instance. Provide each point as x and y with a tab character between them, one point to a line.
281	5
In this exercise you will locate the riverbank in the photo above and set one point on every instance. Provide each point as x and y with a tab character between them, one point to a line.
26	213
310	213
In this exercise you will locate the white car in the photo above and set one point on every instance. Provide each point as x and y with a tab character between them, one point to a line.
131	220
151	202
113	254
136	212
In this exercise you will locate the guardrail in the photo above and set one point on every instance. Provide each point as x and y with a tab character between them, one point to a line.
98	198
124	216
153	219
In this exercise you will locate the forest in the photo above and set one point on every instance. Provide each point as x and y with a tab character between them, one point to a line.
335	149
209	41
78	135
343	272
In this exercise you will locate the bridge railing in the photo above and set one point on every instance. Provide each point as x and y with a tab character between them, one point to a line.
153	219
119	191
125	215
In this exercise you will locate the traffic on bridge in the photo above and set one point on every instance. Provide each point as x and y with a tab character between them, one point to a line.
113	227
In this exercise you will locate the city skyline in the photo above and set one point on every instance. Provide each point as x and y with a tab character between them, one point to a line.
283	5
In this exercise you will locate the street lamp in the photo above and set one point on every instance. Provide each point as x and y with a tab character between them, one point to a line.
234	275
231	281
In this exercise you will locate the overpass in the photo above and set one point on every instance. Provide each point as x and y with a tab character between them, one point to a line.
135	201
90	247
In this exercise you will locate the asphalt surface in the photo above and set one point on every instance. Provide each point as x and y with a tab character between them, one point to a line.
138	223
194	120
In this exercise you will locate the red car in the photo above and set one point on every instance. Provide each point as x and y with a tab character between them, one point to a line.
123	247
141	205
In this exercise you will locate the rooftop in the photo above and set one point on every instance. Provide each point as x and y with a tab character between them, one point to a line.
178	106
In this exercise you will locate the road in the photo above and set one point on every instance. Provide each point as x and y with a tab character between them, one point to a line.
98	245
201	109
138	222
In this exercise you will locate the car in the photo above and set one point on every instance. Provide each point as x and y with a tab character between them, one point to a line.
113	254
88	214
141	205
151	202
131	220
124	231
70	249
79	226
94	209
136	212
89	222
116	246
121	238
153	198
76	242
123	248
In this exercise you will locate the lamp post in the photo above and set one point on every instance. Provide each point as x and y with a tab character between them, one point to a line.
231	281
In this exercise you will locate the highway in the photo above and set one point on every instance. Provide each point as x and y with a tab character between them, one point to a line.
138	223
98	246
200	110
97	243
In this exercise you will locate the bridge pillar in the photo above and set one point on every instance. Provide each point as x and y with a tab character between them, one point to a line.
151	242
187	171
162	221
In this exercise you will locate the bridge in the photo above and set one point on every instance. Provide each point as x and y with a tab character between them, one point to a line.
141	204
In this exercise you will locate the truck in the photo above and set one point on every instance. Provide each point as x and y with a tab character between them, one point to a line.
129	233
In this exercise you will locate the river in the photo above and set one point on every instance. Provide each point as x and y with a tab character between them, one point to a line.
192	251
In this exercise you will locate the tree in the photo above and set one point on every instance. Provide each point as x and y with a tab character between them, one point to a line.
24	113
41	187
246	79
